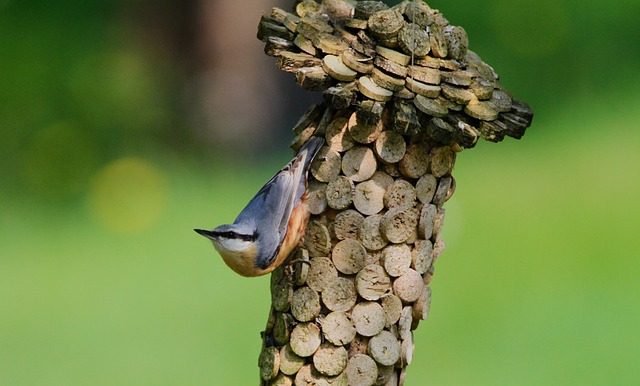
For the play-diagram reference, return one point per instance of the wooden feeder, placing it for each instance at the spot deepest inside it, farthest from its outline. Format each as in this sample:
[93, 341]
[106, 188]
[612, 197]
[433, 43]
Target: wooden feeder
[403, 95]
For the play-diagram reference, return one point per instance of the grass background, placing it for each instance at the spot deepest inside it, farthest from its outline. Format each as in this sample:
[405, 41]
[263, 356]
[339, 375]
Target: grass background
[103, 282]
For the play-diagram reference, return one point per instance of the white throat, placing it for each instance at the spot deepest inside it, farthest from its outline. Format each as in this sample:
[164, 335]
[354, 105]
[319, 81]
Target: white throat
[230, 246]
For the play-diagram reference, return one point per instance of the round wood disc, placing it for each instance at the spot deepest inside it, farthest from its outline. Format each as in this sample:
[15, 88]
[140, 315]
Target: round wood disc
[305, 305]
[321, 273]
[269, 363]
[442, 161]
[290, 362]
[305, 339]
[392, 306]
[369, 197]
[408, 287]
[390, 147]
[317, 239]
[339, 193]
[401, 194]
[337, 136]
[361, 370]
[384, 348]
[415, 162]
[363, 132]
[330, 360]
[359, 163]
[426, 188]
[326, 165]
[347, 224]
[370, 234]
[398, 224]
[422, 256]
[397, 259]
[349, 256]
[369, 318]
[372, 282]
[338, 328]
[316, 197]
[340, 295]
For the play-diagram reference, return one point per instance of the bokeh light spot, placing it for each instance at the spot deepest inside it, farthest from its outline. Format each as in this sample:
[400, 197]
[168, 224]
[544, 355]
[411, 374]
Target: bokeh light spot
[531, 29]
[59, 161]
[129, 195]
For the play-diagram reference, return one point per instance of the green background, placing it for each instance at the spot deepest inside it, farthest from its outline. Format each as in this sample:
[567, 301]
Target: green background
[103, 282]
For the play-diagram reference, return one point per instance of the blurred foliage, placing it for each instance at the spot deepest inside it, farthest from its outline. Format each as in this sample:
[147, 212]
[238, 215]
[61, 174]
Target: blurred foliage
[76, 91]
[102, 281]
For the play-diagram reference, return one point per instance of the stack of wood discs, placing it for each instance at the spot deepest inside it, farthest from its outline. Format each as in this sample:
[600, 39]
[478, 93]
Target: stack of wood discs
[402, 96]
[408, 57]
[345, 307]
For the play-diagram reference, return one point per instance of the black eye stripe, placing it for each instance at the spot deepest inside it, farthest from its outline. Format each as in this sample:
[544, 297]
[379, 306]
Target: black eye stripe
[235, 235]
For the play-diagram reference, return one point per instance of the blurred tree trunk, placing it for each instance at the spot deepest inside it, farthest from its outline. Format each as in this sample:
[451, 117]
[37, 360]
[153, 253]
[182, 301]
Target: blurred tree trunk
[225, 85]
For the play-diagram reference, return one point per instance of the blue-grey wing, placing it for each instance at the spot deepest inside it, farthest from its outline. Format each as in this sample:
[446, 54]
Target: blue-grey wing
[270, 209]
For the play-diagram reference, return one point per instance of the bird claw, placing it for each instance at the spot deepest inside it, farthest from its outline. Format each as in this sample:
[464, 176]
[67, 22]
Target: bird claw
[298, 257]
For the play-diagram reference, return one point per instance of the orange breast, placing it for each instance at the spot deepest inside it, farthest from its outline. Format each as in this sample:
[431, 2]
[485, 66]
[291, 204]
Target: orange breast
[242, 263]
[296, 229]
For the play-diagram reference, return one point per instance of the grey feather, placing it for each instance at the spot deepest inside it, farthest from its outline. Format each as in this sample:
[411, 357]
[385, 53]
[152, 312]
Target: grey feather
[270, 209]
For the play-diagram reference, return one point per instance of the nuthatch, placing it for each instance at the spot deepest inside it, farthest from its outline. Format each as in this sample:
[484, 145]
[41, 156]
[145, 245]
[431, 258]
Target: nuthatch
[273, 222]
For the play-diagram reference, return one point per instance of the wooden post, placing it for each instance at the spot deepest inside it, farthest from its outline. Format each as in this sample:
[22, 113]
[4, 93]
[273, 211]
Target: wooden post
[403, 96]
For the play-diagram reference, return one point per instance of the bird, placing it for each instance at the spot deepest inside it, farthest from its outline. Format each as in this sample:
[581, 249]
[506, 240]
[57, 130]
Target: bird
[272, 224]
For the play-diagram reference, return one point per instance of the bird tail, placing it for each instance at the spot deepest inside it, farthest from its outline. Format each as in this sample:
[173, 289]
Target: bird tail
[305, 156]
[309, 150]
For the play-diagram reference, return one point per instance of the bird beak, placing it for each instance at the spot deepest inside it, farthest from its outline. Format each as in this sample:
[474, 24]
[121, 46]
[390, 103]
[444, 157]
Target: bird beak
[205, 233]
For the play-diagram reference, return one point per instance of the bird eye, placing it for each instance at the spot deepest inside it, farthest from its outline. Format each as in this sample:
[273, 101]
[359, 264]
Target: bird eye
[233, 235]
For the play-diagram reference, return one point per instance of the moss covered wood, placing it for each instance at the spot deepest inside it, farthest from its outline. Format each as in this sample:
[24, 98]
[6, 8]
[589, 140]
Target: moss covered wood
[403, 96]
